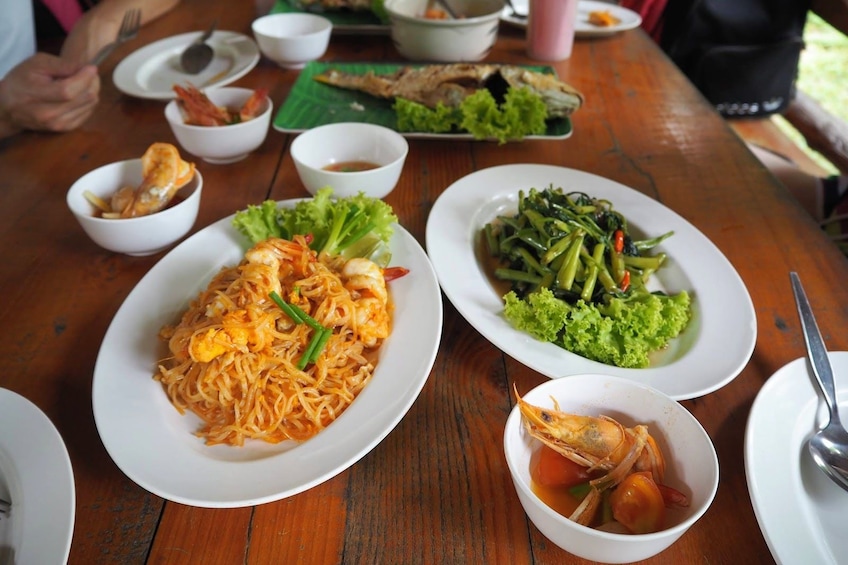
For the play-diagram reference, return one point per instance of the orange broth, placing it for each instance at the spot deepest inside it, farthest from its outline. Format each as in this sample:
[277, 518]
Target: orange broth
[351, 166]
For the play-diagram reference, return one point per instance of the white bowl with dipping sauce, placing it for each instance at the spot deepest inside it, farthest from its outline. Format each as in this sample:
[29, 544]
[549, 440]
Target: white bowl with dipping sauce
[420, 38]
[144, 235]
[350, 157]
[222, 144]
[690, 458]
[291, 40]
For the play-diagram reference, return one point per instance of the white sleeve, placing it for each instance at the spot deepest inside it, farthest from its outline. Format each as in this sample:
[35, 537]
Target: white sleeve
[17, 33]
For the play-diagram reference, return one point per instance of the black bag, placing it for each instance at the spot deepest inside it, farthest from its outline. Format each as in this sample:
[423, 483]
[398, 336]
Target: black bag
[741, 54]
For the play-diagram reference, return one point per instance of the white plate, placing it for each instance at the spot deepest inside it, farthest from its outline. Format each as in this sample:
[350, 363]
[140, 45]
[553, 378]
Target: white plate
[712, 350]
[582, 27]
[801, 512]
[36, 476]
[156, 447]
[152, 71]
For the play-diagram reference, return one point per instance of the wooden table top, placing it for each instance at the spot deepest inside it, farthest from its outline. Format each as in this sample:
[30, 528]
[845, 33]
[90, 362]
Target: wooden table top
[437, 489]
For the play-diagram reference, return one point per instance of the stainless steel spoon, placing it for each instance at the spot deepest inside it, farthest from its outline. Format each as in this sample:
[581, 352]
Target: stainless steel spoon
[515, 13]
[199, 54]
[829, 445]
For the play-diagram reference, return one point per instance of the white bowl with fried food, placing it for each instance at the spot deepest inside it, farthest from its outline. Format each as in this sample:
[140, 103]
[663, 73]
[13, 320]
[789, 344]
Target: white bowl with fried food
[140, 235]
[199, 122]
[292, 39]
[691, 464]
[350, 157]
[421, 31]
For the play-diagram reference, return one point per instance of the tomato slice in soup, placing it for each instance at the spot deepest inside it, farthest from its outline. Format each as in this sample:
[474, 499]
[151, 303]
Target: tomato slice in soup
[551, 469]
[638, 504]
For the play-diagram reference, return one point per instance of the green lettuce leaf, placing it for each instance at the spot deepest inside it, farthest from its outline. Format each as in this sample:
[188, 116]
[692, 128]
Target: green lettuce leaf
[522, 113]
[355, 226]
[622, 332]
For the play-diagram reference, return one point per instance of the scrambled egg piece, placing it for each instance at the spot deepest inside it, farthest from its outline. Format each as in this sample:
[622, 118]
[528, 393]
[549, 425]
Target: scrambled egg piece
[233, 335]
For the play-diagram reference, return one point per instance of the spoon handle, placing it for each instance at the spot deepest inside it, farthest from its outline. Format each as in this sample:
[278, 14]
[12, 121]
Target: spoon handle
[208, 33]
[815, 348]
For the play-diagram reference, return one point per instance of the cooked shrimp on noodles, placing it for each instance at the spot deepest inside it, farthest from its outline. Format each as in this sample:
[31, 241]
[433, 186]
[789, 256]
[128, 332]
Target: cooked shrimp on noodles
[241, 362]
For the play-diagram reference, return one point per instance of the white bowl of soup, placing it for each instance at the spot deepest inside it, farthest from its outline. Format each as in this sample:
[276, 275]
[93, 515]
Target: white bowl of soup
[421, 30]
[350, 158]
[647, 510]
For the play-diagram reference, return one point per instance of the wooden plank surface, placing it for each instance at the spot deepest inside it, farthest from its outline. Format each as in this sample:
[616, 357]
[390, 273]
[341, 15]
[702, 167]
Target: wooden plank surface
[437, 489]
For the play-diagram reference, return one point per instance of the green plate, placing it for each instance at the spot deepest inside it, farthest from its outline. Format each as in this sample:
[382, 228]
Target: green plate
[311, 104]
[344, 21]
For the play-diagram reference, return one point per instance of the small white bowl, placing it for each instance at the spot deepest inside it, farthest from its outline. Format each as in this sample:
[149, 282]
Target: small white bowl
[333, 144]
[292, 40]
[469, 38]
[221, 144]
[691, 462]
[140, 236]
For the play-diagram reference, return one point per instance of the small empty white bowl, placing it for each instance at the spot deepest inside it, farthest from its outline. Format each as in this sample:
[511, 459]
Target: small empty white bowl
[144, 235]
[348, 142]
[469, 38]
[690, 457]
[222, 144]
[292, 40]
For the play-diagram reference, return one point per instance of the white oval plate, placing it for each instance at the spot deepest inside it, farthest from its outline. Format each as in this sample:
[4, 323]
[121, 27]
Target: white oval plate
[156, 447]
[801, 512]
[153, 70]
[37, 478]
[712, 350]
[582, 27]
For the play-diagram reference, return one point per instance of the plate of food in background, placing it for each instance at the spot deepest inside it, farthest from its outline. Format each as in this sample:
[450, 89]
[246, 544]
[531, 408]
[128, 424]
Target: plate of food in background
[158, 400]
[349, 17]
[594, 18]
[152, 71]
[404, 98]
[696, 318]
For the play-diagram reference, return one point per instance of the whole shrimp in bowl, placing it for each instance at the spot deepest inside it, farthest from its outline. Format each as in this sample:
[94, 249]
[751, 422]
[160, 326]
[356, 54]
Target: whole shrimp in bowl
[199, 110]
[163, 173]
[223, 125]
[608, 469]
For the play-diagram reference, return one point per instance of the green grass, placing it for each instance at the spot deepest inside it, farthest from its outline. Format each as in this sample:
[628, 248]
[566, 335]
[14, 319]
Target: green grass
[822, 75]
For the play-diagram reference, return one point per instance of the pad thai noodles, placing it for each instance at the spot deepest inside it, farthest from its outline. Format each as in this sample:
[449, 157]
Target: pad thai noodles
[277, 347]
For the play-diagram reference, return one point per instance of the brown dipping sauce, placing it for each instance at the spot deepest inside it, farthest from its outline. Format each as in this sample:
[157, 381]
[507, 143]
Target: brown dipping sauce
[351, 166]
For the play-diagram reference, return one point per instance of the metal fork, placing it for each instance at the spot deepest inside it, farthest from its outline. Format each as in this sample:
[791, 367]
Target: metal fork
[129, 29]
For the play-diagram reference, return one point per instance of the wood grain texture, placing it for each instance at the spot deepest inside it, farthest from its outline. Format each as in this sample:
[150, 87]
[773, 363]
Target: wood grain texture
[437, 489]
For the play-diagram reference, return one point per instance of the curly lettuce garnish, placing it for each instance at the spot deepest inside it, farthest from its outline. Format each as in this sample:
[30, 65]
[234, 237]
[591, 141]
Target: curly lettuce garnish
[522, 113]
[355, 226]
[622, 332]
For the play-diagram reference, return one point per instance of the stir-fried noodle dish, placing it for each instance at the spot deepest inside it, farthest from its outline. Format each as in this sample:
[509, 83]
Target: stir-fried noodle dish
[277, 347]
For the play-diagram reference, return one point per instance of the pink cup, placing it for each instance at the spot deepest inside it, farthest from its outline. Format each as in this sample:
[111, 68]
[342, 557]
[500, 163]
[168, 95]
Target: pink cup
[550, 29]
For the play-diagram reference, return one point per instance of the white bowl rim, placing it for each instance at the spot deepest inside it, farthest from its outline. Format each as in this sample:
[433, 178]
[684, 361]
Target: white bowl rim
[514, 423]
[172, 106]
[258, 23]
[169, 211]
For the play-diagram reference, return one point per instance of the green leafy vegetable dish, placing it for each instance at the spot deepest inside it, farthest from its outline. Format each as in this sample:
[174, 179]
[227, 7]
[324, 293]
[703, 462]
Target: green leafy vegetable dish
[356, 226]
[578, 279]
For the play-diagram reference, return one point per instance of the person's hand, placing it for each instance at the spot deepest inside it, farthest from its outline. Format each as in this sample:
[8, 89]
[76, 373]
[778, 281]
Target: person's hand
[47, 93]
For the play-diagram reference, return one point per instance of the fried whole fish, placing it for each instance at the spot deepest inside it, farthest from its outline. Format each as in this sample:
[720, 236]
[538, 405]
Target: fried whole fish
[450, 84]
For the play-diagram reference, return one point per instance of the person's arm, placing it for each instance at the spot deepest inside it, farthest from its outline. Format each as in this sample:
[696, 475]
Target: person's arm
[99, 25]
[834, 12]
